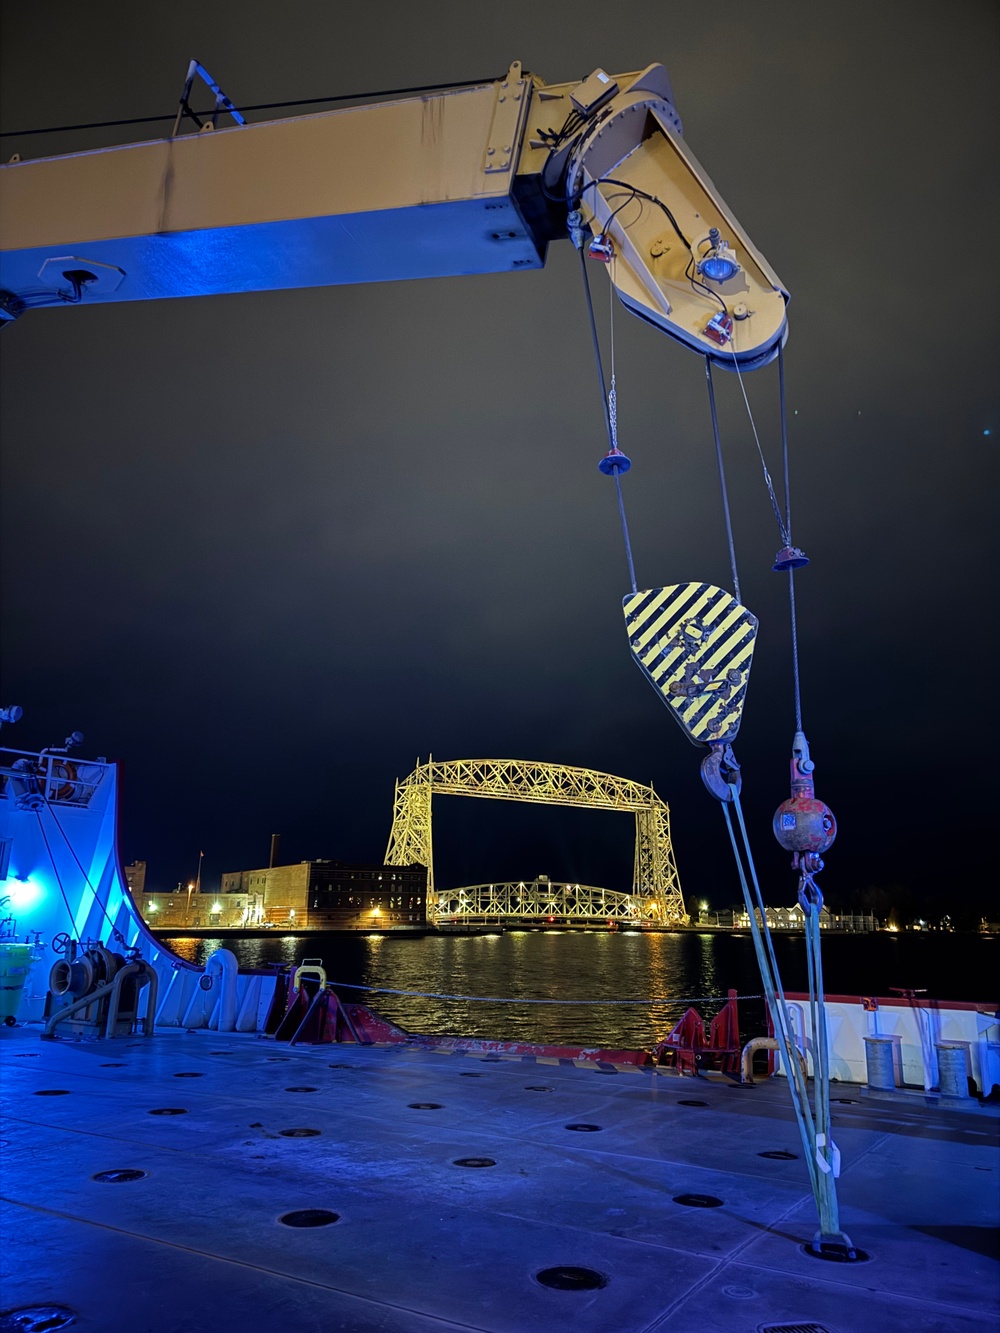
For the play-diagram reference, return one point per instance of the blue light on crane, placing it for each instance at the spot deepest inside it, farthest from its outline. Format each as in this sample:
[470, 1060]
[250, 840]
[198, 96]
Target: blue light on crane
[720, 264]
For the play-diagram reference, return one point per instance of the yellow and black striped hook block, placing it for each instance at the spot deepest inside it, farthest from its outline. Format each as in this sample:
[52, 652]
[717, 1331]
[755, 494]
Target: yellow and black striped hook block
[694, 644]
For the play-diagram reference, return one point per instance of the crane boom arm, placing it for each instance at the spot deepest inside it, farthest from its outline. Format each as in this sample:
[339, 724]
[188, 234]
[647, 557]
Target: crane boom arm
[468, 181]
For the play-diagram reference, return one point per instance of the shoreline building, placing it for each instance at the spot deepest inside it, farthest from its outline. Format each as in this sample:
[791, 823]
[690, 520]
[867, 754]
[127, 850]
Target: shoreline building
[333, 895]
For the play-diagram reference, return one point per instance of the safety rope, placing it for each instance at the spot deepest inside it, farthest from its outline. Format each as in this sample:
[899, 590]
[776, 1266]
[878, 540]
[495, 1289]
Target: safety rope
[506, 999]
[722, 480]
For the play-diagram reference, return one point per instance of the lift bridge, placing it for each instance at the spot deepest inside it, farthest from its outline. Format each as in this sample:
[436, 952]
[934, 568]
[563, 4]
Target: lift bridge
[656, 892]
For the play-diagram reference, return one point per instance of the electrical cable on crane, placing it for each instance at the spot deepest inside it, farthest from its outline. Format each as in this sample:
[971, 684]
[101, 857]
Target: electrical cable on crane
[694, 643]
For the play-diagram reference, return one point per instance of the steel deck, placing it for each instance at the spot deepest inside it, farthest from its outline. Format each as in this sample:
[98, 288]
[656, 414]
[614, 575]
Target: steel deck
[421, 1244]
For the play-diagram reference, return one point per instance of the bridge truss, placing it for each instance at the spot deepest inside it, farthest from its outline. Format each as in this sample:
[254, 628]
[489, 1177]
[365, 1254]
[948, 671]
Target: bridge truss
[542, 900]
[656, 887]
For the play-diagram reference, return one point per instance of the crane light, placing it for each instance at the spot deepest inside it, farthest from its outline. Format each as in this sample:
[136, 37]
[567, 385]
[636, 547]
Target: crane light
[720, 263]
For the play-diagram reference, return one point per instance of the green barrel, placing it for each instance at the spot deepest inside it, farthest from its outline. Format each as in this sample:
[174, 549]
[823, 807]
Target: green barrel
[15, 964]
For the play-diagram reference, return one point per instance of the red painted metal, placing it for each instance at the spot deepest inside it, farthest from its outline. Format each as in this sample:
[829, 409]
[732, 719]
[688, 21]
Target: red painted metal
[681, 1046]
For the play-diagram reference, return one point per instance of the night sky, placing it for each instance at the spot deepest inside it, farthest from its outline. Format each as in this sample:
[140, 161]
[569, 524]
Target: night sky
[267, 549]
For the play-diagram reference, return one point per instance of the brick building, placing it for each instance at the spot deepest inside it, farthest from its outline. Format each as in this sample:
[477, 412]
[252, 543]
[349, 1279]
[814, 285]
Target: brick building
[334, 895]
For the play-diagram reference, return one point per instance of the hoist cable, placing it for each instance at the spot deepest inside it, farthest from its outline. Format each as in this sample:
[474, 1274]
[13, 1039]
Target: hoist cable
[610, 425]
[782, 402]
[613, 419]
[597, 350]
[722, 480]
[55, 871]
[785, 538]
[259, 106]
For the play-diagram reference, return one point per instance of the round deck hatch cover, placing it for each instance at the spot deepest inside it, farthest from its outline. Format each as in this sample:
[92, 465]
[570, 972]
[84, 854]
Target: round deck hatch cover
[424, 1106]
[309, 1217]
[584, 1129]
[474, 1161]
[169, 1110]
[37, 1319]
[299, 1133]
[568, 1278]
[118, 1177]
[698, 1200]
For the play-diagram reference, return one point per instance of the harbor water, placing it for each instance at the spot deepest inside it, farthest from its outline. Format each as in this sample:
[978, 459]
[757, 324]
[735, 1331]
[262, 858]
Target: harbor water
[660, 974]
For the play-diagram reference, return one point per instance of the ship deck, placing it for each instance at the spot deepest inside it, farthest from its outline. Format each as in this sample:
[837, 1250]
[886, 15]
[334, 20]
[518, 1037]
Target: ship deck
[421, 1244]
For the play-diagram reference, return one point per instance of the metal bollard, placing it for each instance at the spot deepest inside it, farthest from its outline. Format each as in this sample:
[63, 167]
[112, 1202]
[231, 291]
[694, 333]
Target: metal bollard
[952, 1075]
[880, 1059]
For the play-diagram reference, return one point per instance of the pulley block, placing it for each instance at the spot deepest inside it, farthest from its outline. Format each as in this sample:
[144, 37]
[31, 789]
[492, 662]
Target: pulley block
[694, 644]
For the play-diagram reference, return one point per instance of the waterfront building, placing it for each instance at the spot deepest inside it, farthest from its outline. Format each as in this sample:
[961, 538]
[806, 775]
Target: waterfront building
[135, 878]
[333, 895]
[793, 918]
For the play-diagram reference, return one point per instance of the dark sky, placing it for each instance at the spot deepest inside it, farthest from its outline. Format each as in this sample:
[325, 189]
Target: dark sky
[266, 549]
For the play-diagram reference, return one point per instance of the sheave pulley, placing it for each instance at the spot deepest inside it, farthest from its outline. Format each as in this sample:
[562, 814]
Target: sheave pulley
[694, 643]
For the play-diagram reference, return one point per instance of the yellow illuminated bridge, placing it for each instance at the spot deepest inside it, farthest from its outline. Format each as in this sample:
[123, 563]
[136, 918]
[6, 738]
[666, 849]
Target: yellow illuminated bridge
[656, 891]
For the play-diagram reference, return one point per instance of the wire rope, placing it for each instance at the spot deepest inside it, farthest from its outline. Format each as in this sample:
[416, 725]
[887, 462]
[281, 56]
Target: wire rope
[785, 538]
[783, 408]
[259, 106]
[722, 479]
[610, 424]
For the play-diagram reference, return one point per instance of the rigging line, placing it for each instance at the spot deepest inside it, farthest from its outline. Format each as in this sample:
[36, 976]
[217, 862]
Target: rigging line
[785, 538]
[62, 891]
[259, 106]
[597, 348]
[97, 898]
[722, 480]
[611, 425]
[783, 408]
[613, 417]
[800, 1102]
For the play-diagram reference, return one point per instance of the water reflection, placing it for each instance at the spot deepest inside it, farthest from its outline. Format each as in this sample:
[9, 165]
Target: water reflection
[665, 972]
